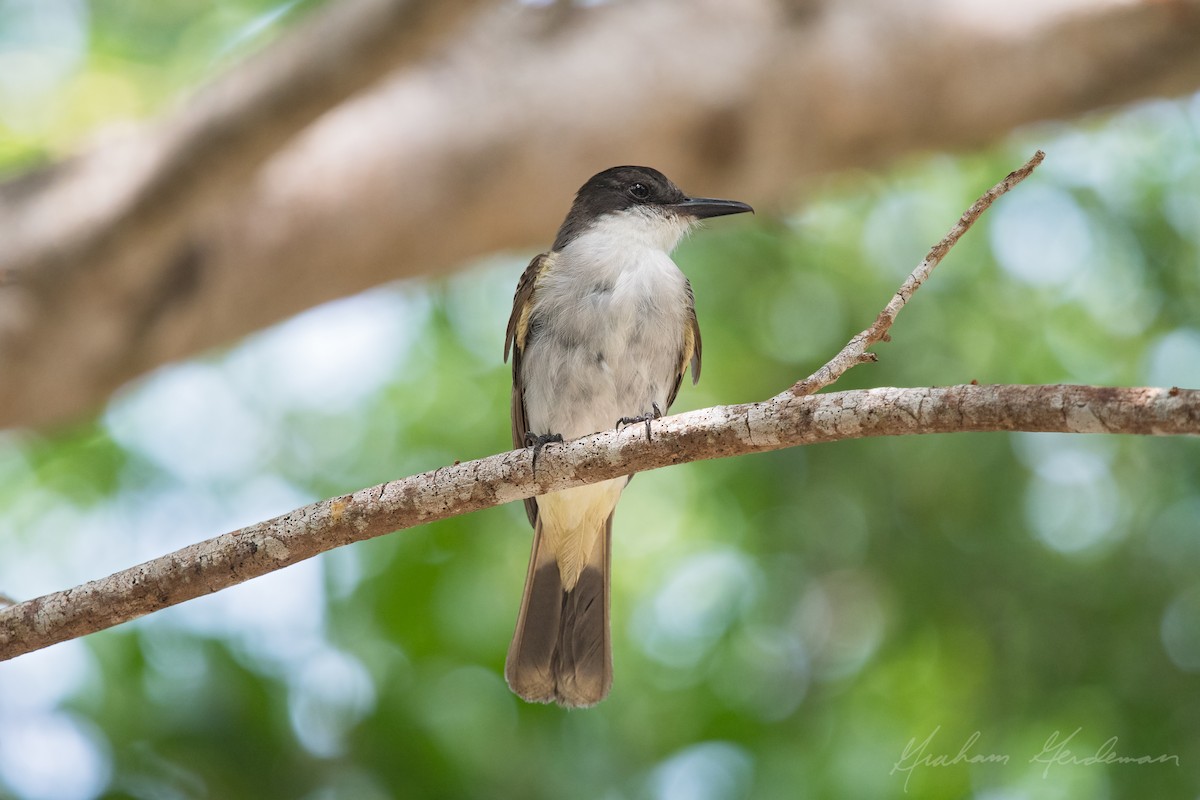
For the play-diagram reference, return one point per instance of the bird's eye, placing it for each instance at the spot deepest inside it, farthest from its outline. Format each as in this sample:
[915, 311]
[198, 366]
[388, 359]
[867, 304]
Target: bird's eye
[639, 191]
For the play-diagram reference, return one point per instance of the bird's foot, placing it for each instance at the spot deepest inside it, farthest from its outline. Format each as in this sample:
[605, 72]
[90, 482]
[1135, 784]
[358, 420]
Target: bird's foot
[538, 441]
[646, 418]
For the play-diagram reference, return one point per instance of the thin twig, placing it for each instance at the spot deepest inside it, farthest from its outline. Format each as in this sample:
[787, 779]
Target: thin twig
[855, 351]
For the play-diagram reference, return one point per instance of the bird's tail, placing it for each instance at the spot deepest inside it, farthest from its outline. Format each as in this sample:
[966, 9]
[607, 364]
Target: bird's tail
[562, 650]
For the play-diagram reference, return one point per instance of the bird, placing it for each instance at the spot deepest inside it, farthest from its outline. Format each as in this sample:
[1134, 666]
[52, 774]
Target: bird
[603, 329]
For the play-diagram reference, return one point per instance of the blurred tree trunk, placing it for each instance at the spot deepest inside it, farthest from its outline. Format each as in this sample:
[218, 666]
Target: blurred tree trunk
[276, 189]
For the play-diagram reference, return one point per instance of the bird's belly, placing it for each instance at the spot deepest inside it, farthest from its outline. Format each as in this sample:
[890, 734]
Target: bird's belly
[572, 519]
[584, 371]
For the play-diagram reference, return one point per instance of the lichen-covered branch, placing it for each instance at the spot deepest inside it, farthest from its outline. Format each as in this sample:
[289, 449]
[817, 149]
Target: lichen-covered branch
[720, 432]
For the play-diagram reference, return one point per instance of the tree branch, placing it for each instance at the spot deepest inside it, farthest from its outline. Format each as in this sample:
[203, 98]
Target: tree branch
[719, 432]
[176, 167]
[425, 171]
[786, 420]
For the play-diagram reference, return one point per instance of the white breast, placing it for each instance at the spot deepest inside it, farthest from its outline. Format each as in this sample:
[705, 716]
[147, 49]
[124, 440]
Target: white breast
[607, 326]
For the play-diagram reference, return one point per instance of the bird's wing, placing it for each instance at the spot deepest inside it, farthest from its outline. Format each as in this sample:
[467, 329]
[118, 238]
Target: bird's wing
[691, 347]
[514, 340]
[518, 321]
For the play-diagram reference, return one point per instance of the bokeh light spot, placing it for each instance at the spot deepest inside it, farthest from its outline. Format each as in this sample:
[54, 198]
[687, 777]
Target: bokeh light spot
[1040, 235]
[1174, 360]
[706, 771]
[1180, 630]
[53, 756]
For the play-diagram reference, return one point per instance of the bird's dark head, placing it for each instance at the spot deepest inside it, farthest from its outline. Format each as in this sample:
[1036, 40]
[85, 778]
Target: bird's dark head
[644, 195]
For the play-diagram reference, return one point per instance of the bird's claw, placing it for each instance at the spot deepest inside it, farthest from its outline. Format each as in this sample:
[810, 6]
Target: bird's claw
[538, 441]
[656, 413]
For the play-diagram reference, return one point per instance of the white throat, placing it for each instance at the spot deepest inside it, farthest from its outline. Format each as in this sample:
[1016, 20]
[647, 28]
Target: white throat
[635, 228]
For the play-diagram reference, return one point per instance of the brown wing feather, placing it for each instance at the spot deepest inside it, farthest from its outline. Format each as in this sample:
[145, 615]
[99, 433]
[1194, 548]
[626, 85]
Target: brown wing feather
[691, 348]
[514, 340]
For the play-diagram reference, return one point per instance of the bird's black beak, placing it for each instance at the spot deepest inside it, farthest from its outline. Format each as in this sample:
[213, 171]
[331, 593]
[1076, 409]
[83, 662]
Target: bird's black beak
[705, 207]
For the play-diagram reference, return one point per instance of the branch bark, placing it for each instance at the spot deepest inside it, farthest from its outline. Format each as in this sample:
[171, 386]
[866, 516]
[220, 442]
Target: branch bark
[782, 421]
[480, 147]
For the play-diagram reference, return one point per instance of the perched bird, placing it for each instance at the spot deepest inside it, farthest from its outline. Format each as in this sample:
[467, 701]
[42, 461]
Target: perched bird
[603, 328]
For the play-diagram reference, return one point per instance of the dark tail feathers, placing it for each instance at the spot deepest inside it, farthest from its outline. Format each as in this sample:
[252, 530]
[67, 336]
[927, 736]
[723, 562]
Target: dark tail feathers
[562, 650]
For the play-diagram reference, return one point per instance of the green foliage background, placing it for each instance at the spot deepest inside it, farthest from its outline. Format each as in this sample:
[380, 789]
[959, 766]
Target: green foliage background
[786, 625]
